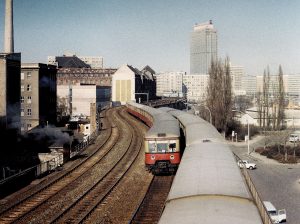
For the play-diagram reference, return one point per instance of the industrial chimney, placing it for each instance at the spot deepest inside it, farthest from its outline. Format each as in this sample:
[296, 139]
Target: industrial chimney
[10, 76]
[9, 28]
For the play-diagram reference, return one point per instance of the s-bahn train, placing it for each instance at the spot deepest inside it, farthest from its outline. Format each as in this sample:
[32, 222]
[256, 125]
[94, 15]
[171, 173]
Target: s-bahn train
[162, 141]
[208, 186]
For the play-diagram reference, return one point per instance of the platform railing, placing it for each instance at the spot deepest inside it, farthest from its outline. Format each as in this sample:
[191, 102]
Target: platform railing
[256, 198]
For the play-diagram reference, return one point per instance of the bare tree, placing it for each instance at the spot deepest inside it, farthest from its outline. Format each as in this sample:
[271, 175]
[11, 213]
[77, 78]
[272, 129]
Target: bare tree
[280, 112]
[227, 94]
[259, 107]
[219, 97]
[266, 82]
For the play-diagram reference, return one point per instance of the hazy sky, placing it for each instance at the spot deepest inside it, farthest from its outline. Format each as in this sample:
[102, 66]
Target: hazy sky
[253, 33]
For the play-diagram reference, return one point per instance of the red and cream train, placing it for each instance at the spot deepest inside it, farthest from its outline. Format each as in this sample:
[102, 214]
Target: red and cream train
[162, 141]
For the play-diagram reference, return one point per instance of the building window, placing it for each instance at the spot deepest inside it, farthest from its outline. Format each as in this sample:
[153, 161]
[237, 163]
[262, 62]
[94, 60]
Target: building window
[22, 99]
[22, 76]
[29, 127]
[28, 75]
[28, 87]
[22, 88]
[28, 112]
[22, 112]
[29, 99]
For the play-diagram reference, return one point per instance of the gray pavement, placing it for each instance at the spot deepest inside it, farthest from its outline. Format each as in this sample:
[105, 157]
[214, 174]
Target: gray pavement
[274, 181]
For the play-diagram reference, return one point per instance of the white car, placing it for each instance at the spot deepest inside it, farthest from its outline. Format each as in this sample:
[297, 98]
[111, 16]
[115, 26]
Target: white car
[276, 216]
[246, 164]
[293, 138]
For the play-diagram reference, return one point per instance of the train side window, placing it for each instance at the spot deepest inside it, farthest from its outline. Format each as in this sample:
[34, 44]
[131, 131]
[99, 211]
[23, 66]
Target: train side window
[151, 147]
[162, 147]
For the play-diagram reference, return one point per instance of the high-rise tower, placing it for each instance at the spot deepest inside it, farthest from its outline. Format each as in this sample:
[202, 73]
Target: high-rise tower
[204, 48]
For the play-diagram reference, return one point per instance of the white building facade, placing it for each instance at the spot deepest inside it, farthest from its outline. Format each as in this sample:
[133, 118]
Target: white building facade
[170, 84]
[195, 87]
[292, 84]
[237, 73]
[249, 85]
[131, 84]
[291, 120]
[123, 85]
[93, 61]
[78, 97]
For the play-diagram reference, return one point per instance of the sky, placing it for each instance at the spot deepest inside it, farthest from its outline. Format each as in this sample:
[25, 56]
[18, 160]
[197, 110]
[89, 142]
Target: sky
[252, 33]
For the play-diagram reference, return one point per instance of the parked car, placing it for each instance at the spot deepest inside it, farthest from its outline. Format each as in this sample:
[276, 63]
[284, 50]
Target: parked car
[276, 216]
[294, 138]
[246, 164]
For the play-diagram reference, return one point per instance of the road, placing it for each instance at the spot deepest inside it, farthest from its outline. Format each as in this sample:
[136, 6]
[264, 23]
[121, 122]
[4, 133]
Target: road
[275, 182]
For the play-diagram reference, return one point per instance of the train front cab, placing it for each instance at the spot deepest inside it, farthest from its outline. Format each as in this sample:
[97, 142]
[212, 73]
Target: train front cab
[162, 155]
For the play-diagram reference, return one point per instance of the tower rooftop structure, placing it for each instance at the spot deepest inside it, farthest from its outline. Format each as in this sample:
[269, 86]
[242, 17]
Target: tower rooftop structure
[204, 26]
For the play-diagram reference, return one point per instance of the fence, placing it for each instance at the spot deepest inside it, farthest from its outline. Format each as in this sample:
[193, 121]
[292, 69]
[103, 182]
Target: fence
[82, 145]
[36, 170]
[260, 205]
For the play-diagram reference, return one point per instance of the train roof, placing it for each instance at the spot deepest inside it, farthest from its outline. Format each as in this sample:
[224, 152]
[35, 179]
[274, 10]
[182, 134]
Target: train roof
[196, 129]
[208, 168]
[164, 124]
[209, 188]
[165, 129]
[197, 133]
[210, 210]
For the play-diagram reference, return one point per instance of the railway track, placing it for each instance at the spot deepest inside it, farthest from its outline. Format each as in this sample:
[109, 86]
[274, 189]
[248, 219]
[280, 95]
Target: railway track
[152, 205]
[44, 191]
[122, 201]
[23, 195]
[85, 205]
[76, 189]
[84, 195]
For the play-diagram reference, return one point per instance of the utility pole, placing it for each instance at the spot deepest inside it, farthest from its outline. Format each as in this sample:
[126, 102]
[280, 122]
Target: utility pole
[248, 137]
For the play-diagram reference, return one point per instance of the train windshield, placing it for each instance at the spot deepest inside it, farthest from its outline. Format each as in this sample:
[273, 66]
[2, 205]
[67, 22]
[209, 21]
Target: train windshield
[161, 147]
[152, 146]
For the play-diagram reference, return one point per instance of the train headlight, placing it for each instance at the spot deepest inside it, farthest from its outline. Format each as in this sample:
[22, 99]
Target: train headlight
[171, 156]
[152, 157]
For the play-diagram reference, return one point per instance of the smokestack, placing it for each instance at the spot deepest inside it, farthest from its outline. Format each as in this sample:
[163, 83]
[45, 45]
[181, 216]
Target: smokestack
[9, 30]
